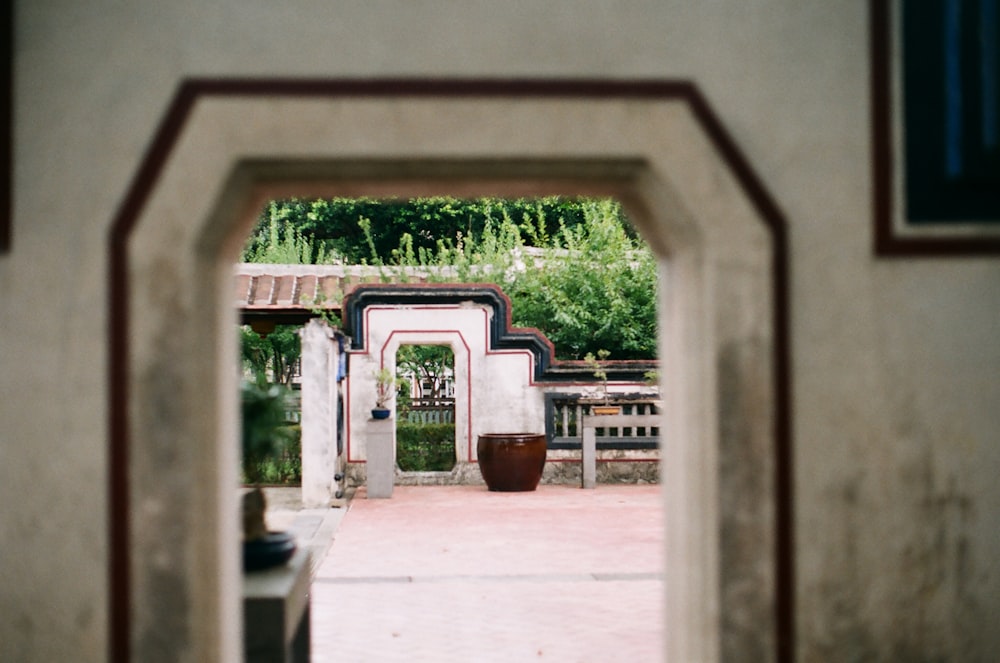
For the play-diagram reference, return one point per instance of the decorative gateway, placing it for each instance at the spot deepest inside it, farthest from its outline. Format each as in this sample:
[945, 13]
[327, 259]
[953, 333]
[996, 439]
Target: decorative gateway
[504, 379]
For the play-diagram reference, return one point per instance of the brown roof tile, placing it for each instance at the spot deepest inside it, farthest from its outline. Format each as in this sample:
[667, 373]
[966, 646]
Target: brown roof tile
[264, 287]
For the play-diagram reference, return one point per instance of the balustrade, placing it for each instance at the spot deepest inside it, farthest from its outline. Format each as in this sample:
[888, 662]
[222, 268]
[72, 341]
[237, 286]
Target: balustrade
[564, 421]
[429, 411]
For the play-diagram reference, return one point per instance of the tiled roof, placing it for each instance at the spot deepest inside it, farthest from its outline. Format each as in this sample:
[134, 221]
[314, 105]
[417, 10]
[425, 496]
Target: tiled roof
[262, 288]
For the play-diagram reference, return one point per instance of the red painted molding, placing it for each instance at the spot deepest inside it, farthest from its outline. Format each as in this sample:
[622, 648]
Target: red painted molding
[191, 91]
[888, 242]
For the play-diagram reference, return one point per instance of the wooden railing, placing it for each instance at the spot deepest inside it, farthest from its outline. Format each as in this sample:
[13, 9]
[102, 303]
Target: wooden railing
[564, 422]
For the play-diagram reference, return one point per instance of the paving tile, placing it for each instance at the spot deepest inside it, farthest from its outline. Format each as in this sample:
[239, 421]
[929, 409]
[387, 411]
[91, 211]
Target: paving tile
[458, 573]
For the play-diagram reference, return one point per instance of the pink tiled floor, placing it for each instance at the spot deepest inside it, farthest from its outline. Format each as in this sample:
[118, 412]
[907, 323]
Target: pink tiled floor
[459, 573]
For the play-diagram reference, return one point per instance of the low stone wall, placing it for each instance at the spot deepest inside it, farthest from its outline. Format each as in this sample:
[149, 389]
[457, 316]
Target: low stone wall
[558, 472]
[621, 472]
[461, 475]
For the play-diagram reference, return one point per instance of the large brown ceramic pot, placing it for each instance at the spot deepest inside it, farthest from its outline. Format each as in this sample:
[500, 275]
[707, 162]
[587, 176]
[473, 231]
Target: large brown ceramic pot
[511, 462]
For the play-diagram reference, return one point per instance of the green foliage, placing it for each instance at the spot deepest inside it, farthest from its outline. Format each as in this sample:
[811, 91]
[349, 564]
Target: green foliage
[386, 385]
[279, 240]
[428, 363]
[282, 467]
[597, 292]
[267, 436]
[333, 224]
[589, 287]
[273, 358]
[594, 363]
[425, 447]
[573, 268]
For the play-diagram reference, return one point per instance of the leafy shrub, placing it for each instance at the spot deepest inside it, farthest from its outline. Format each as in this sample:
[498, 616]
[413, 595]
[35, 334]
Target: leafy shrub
[425, 447]
[595, 291]
[271, 446]
[282, 467]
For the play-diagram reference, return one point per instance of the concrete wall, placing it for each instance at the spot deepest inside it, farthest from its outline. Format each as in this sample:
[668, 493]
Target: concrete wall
[894, 362]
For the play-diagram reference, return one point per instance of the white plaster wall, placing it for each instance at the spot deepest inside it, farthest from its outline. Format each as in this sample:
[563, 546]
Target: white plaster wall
[507, 378]
[483, 378]
[894, 362]
[319, 397]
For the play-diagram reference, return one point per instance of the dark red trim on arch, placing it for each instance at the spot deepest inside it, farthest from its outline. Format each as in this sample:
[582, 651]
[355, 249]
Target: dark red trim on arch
[192, 90]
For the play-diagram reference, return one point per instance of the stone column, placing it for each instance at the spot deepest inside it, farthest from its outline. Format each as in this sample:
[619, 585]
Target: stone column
[380, 449]
[319, 411]
[588, 454]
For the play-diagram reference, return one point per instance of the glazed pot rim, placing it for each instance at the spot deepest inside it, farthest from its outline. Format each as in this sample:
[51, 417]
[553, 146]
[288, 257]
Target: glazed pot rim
[498, 435]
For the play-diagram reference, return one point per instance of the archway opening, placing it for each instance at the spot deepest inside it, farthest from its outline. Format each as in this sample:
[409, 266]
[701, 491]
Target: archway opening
[425, 423]
[574, 269]
[270, 370]
[697, 201]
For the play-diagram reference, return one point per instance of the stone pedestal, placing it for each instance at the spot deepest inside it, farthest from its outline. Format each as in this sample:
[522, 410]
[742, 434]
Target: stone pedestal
[589, 456]
[276, 613]
[380, 447]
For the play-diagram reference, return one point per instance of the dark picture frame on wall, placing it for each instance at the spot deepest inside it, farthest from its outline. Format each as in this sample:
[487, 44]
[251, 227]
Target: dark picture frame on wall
[936, 127]
[6, 124]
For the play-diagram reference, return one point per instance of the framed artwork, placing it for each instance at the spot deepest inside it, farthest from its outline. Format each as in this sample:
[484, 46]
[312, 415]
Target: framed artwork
[936, 126]
[6, 123]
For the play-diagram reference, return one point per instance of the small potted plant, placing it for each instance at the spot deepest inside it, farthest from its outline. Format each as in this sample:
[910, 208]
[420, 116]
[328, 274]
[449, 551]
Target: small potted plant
[385, 390]
[598, 368]
[652, 379]
[265, 431]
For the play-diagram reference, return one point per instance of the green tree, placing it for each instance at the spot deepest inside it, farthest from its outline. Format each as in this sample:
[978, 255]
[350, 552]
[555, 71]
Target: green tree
[596, 289]
[332, 224]
[573, 268]
[279, 239]
[588, 287]
[428, 364]
[273, 358]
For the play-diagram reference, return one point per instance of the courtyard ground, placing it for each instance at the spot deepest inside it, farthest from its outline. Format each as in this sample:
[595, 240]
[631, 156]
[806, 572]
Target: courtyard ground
[459, 573]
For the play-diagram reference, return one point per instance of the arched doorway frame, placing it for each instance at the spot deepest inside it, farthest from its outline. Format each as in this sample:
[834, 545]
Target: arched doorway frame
[462, 361]
[191, 399]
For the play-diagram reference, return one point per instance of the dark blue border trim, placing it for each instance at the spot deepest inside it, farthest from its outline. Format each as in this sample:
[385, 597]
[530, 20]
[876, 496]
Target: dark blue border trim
[501, 335]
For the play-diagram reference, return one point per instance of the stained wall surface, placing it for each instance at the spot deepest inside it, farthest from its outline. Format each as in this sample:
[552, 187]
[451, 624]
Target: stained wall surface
[896, 433]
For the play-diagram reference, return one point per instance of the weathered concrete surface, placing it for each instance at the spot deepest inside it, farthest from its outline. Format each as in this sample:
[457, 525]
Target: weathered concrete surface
[381, 465]
[747, 479]
[319, 362]
[893, 363]
[567, 473]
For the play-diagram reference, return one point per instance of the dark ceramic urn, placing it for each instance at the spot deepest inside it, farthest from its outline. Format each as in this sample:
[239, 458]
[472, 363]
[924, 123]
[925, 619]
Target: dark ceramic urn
[511, 462]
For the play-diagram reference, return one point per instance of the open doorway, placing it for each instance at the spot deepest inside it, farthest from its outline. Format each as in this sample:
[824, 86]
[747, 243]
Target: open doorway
[270, 370]
[722, 322]
[425, 412]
